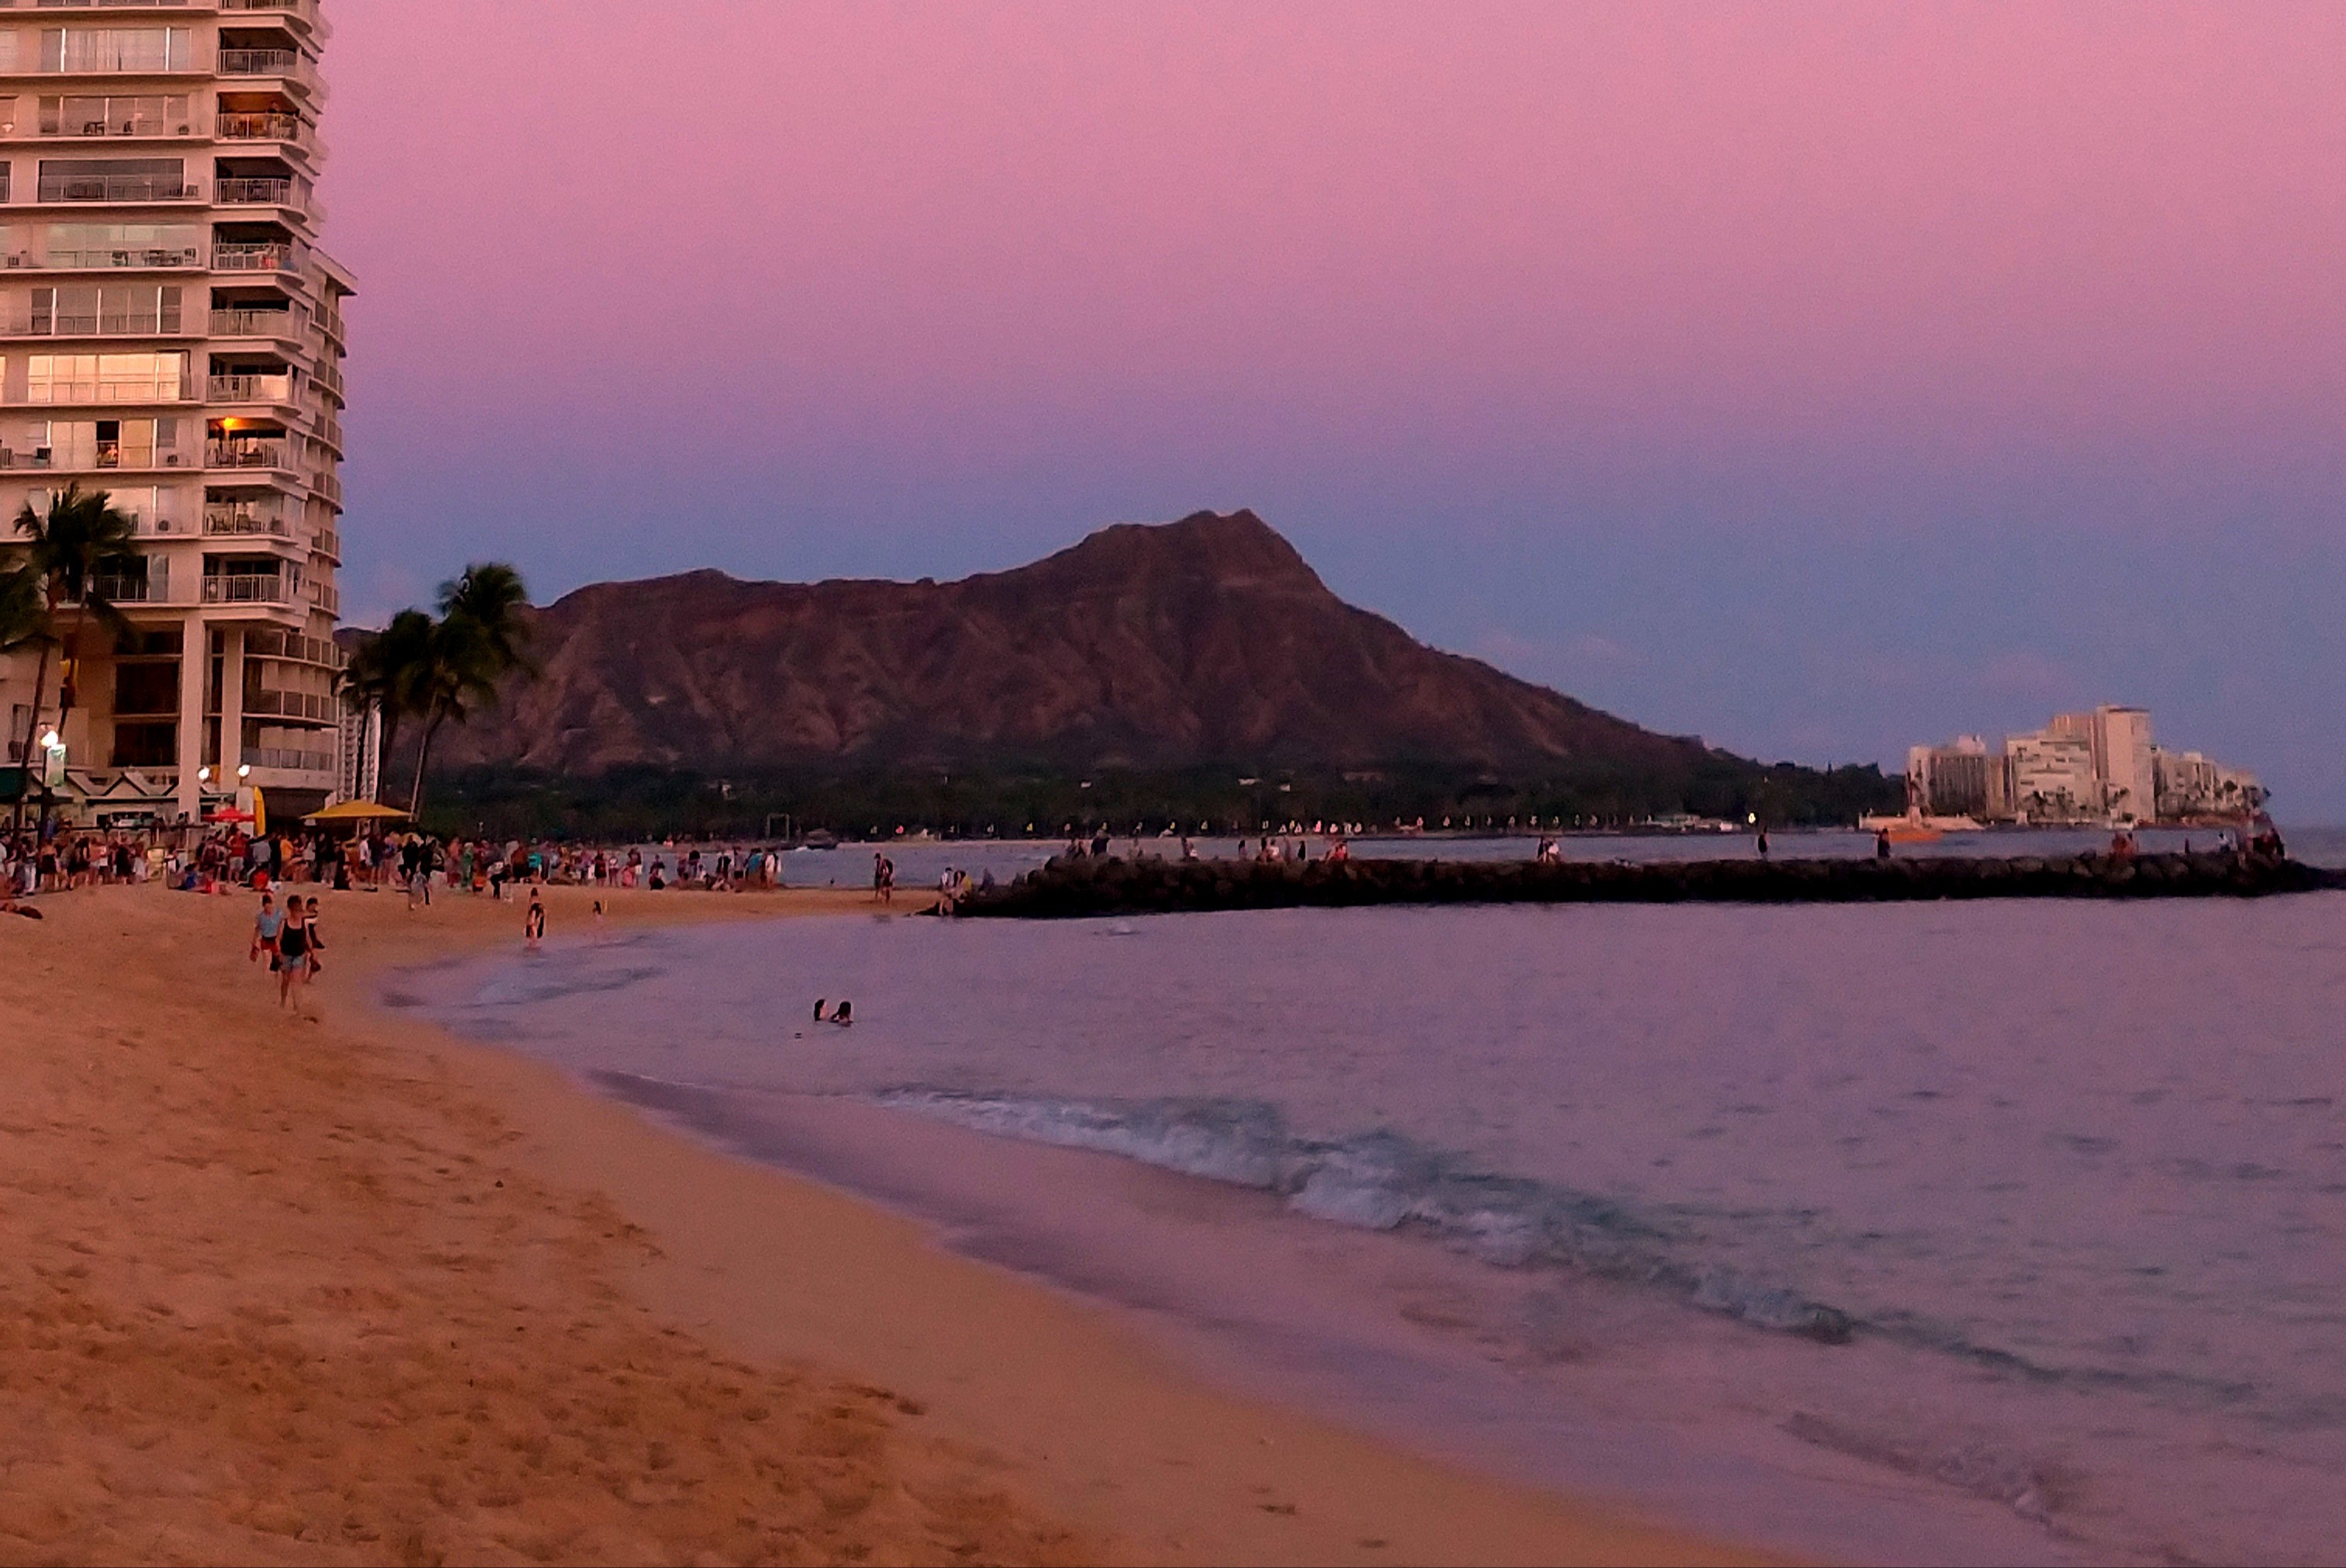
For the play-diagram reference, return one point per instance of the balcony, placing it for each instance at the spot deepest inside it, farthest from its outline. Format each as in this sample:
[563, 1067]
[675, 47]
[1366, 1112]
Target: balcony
[302, 11]
[248, 590]
[284, 326]
[116, 257]
[246, 521]
[292, 647]
[151, 116]
[151, 587]
[280, 759]
[327, 485]
[287, 65]
[263, 191]
[118, 190]
[249, 389]
[258, 126]
[94, 324]
[107, 456]
[262, 703]
[326, 542]
[259, 62]
[244, 454]
[274, 255]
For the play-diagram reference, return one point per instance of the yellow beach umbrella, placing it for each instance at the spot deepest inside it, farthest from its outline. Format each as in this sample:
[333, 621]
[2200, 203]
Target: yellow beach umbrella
[358, 811]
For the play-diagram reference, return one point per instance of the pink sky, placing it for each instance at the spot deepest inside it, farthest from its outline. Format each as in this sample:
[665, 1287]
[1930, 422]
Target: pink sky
[913, 289]
[2087, 221]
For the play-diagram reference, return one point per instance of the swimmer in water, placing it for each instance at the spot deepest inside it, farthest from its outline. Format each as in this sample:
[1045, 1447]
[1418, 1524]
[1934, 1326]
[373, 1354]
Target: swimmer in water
[845, 1015]
[819, 1015]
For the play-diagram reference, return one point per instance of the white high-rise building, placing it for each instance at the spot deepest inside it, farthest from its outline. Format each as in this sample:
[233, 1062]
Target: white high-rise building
[171, 335]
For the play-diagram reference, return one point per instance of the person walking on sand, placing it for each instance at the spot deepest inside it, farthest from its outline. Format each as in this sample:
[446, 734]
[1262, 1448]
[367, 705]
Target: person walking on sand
[314, 937]
[265, 927]
[533, 924]
[292, 962]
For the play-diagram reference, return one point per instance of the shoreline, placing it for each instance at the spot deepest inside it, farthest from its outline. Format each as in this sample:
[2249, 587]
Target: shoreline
[938, 1406]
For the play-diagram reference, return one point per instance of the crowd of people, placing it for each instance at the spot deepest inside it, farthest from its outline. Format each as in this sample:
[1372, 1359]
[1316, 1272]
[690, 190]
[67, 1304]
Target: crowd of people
[228, 857]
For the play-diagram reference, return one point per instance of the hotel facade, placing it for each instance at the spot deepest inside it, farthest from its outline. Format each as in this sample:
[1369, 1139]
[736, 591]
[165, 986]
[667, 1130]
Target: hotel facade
[2101, 765]
[171, 335]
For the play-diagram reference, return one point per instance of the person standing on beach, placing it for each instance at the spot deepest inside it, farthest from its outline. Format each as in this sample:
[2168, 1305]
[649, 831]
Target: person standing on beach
[314, 938]
[533, 924]
[265, 927]
[292, 961]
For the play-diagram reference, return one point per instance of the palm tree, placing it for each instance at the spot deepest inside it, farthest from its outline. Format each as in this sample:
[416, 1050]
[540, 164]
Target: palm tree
[482, 637]
[24, 621]
[384, 671]
[73, 550]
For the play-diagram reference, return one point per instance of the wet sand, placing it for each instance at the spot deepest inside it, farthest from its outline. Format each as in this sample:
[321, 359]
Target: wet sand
[343, 1289]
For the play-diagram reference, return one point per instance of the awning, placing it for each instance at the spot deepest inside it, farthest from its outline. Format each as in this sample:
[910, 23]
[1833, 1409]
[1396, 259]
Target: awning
[358, 811]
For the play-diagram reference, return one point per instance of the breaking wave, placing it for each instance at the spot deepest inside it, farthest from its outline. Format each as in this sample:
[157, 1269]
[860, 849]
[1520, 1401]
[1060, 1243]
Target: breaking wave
[1381, 1180]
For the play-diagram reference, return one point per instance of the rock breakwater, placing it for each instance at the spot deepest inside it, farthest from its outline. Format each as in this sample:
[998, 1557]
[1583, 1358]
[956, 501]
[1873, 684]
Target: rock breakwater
[1073, 887]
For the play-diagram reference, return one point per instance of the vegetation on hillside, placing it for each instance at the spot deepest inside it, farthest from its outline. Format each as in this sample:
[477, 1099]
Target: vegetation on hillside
[876, 802]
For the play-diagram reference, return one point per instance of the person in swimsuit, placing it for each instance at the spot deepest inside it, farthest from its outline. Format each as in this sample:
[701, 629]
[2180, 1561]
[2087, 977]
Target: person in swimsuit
[317, 938]
[292, 962]
[533, 924]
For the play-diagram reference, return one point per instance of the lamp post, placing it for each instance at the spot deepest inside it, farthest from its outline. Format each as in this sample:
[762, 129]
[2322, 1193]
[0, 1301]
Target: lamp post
[52, 775]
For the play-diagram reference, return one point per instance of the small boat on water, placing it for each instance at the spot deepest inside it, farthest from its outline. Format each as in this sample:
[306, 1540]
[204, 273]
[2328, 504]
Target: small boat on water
[1914, 828]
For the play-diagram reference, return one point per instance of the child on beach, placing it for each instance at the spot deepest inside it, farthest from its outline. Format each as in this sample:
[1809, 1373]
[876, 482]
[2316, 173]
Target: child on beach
[265, 927]
[533, 925]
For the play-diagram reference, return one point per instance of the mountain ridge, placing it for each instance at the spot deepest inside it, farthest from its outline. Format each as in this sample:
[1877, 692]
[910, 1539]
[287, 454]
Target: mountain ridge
[1145, 645]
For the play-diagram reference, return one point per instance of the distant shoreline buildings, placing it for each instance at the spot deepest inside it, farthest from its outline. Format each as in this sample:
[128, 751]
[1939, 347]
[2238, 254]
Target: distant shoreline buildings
[2097, 766]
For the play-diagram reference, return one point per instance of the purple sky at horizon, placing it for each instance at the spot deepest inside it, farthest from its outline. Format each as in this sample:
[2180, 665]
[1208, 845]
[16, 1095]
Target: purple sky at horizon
[1816, 378]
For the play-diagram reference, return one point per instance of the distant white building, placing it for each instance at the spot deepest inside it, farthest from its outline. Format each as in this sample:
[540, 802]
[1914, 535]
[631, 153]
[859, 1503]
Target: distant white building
[2191, 785]
[2096, 766]
[2051, 777]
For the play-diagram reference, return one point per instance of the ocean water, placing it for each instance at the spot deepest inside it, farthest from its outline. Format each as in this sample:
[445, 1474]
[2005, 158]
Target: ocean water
[2009, 1231]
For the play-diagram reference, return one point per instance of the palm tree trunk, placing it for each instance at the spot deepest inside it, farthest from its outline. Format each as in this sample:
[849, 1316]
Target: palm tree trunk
[32, 731]
[69, 644]
[422, 758]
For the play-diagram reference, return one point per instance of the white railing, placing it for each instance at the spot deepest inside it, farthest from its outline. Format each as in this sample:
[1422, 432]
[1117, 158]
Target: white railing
[261, 125]
[245, 455]
[264, 191]
[118, 189]
[249, 389]
[248, 590]
[234, 521]
[46, 323]
[275, 256]
[259, 62]
[235, 323]
[126, 588]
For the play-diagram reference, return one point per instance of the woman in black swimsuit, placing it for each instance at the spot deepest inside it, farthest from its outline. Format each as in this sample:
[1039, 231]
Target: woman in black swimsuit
[292, 957]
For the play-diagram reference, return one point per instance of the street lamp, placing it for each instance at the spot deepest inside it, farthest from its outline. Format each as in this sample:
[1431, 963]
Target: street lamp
[245, 771]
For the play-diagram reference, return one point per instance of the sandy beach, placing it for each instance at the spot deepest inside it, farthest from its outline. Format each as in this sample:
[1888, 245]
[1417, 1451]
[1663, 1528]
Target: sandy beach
[344, 1288]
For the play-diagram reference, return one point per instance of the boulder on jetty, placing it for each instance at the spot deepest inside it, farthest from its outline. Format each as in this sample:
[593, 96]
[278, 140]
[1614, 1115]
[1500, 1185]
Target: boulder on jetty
[1072, 887]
